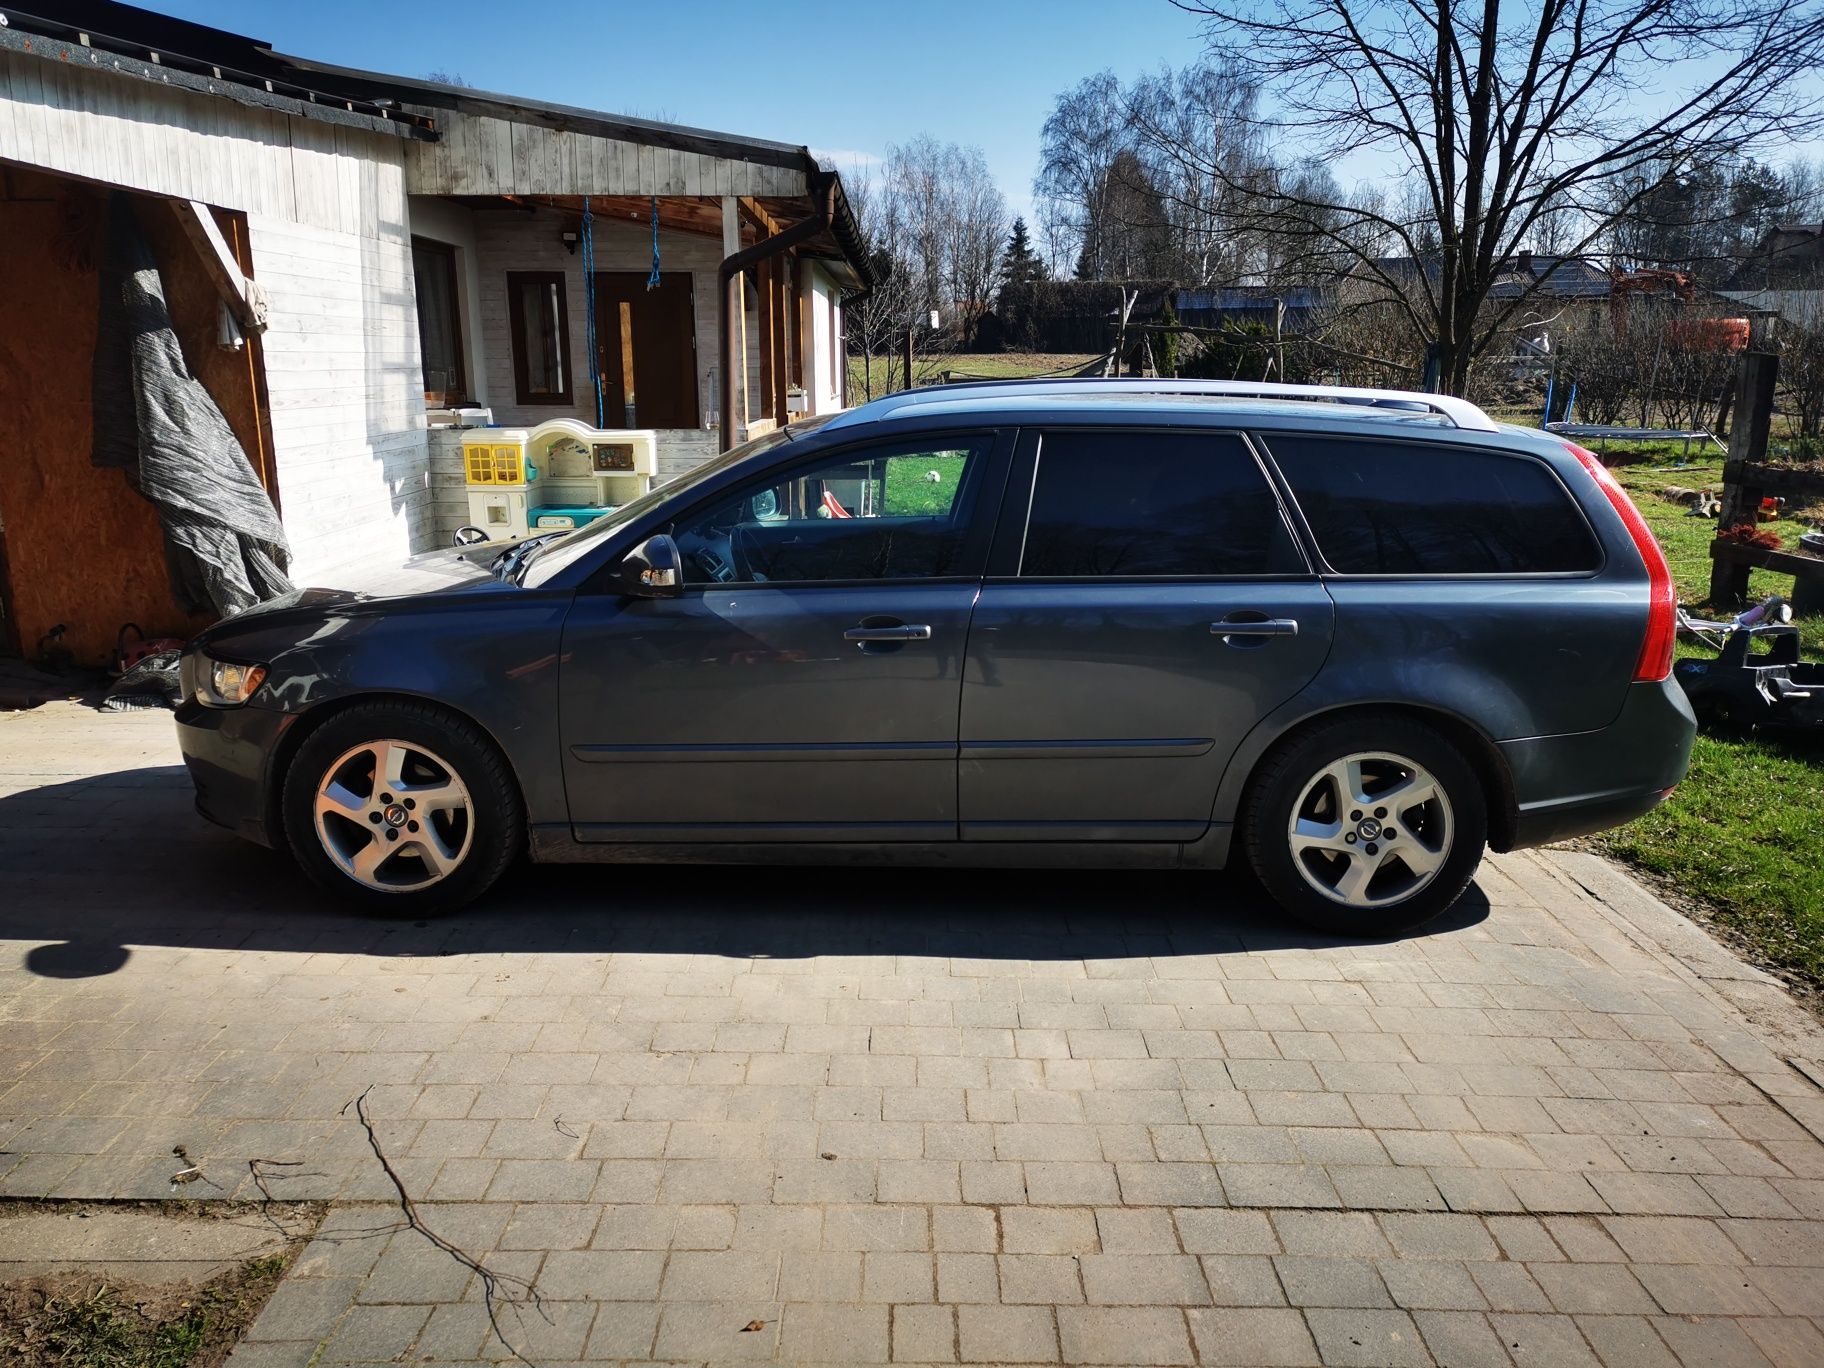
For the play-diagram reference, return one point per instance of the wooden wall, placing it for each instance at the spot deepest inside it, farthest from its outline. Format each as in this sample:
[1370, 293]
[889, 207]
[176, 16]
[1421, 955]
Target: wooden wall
[118, 129]
[512, 240]
[481, 155]
[83, 549]
[330, 242]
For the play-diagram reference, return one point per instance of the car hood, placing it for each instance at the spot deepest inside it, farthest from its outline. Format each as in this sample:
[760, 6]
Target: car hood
[447, 571]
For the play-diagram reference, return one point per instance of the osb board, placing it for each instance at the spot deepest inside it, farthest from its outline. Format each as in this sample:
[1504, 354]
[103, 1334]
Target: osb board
[82, 548]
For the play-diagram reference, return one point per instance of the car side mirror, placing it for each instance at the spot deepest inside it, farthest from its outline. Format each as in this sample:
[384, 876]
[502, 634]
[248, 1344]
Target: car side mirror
[653, 569]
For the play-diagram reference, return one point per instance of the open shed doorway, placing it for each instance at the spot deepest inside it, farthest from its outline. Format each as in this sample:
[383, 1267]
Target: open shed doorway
[646, 349]
[82, 554]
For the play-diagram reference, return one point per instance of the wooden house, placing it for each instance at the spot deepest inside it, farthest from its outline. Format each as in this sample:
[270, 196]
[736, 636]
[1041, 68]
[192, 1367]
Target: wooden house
[352, 257]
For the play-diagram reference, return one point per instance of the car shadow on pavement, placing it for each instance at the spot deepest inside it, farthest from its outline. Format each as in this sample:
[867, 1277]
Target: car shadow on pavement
[97, 866]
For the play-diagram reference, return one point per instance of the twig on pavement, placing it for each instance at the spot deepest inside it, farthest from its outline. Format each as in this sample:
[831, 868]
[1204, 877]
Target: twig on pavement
[491, 1282]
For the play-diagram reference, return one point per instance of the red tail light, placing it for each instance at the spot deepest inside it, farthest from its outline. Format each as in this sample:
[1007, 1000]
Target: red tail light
[1655, 661]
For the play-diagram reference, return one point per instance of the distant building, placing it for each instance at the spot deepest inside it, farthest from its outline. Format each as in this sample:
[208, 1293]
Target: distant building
[1789, 257]
[1247, 304]
[1785, 274]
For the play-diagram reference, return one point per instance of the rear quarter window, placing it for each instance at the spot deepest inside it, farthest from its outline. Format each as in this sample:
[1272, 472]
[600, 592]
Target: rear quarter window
[1392, 508]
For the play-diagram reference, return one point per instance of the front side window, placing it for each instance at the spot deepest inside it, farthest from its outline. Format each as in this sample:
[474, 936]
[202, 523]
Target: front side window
[1121, 505]
[1421, 508]
[541, 336]
[885, 513]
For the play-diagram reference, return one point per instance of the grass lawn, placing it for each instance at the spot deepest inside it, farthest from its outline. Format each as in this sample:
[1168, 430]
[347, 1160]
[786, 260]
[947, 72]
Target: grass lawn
[910, 490]
[929, 370]
[1745, 832]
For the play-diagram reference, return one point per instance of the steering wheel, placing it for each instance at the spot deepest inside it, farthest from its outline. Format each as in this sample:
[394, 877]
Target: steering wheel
[469, 535]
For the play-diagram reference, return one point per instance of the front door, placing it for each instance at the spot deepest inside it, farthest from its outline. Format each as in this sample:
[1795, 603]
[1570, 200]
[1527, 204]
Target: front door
[1146, 606]
[804, 687]
[645, 341]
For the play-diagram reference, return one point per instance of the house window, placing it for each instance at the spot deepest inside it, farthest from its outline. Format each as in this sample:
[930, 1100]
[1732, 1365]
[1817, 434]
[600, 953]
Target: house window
[439, 323]
[541, 336]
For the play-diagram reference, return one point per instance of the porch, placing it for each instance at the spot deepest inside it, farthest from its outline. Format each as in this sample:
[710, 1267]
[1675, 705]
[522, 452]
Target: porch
[624, 274]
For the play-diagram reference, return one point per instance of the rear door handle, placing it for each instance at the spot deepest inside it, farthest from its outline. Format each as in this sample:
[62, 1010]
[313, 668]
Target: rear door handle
[1256, 627]
[904, 631]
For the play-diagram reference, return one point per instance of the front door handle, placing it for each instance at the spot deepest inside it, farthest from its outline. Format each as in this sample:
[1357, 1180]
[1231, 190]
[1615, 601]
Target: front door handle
[1255, 627]
[899, 631]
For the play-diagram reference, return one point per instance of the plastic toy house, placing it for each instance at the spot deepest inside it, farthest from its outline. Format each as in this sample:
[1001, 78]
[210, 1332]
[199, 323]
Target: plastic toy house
[558, 475]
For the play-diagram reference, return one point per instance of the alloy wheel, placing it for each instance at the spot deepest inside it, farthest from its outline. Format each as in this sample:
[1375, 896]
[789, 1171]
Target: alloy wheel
[1370, 829]
[394, 816]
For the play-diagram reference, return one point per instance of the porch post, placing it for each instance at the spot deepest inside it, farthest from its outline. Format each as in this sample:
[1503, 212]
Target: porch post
[782, 334]
[732, 353]
[767, 318]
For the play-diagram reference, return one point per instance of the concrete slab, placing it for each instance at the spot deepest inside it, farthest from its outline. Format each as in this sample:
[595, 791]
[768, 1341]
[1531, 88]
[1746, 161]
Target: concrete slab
[142, 1244]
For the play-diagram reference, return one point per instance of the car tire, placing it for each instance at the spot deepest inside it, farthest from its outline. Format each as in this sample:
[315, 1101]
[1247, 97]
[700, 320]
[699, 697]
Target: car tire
[1324, 856]
[434, 836]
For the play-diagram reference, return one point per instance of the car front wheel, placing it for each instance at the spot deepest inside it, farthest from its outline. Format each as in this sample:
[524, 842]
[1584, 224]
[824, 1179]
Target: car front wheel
[401, 809]
[1366, 826]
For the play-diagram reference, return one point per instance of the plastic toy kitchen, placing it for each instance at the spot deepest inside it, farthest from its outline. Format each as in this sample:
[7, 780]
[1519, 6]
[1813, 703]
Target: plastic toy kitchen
[558, 475]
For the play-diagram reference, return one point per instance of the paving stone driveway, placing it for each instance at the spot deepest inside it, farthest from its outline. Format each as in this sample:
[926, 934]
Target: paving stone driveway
[861, 1116]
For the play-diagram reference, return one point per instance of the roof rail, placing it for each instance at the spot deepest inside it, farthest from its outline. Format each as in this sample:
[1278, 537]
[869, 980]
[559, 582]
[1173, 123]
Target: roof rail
[1460, 412]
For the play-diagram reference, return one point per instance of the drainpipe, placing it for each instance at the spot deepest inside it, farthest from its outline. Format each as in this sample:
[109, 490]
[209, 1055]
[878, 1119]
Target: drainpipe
[823, 192]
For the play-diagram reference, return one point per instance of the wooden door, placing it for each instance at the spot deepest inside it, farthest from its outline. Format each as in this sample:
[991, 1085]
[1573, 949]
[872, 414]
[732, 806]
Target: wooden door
[646, 349]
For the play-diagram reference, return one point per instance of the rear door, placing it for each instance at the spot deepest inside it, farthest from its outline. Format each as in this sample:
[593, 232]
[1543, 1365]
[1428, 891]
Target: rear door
[1147, 603]
[1465, 577]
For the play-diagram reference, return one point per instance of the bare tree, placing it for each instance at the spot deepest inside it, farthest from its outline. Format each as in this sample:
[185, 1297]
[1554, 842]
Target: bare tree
[1802, 378]
[876, 323]
[974, 232]
[1211, 110]
[1087, 129]
[1504, 114]
[937, 225]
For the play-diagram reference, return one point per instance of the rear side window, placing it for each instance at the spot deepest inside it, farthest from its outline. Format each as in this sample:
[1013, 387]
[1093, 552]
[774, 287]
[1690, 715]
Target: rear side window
[1147, 504]
[1386, 508]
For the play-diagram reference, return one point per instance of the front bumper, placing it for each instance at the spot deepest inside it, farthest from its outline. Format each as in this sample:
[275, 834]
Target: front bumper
[229, 753]
[1567, 786]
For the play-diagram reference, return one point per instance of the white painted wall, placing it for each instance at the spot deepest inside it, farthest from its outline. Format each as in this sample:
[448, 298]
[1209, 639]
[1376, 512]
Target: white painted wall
[822, 373]
[346, 393]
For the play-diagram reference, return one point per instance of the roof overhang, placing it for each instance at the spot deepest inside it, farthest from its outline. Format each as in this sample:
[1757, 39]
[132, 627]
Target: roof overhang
[660, 159]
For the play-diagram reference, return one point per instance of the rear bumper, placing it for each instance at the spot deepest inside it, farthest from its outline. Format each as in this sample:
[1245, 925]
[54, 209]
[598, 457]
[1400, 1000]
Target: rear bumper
[1567, 786]
[228, 752]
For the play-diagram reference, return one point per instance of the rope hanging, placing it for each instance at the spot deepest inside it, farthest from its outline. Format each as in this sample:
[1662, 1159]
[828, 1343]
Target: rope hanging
[652, 281]
[595, 370]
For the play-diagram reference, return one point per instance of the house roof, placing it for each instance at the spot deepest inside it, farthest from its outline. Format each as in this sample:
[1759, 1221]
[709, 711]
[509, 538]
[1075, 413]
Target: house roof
[1790, 256]
[1237, 298]
[216, 62]
[1555, 276]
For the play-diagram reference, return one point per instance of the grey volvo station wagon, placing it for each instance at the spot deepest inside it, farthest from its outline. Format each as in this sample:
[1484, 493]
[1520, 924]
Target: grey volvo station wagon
[1351, 637]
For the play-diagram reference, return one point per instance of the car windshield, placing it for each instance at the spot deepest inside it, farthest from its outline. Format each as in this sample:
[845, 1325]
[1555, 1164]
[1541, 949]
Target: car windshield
[546, 560]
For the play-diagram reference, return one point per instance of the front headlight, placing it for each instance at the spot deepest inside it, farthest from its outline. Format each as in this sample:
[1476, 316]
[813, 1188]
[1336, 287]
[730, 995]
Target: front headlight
[226, 683]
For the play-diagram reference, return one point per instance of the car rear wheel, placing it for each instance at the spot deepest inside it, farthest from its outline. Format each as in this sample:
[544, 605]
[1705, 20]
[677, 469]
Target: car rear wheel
[1366, 825]
[401, 809]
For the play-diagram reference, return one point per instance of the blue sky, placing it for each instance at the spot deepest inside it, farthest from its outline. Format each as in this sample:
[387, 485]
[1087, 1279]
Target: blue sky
[845, 78]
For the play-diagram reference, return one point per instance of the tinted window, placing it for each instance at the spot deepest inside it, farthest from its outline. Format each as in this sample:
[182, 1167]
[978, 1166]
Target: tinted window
[1126, 504]
[1384, 508]
[898, 513]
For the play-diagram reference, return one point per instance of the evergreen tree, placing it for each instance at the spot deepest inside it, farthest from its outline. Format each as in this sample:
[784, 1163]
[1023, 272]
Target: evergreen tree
[1020, 265]
[1167, 356]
